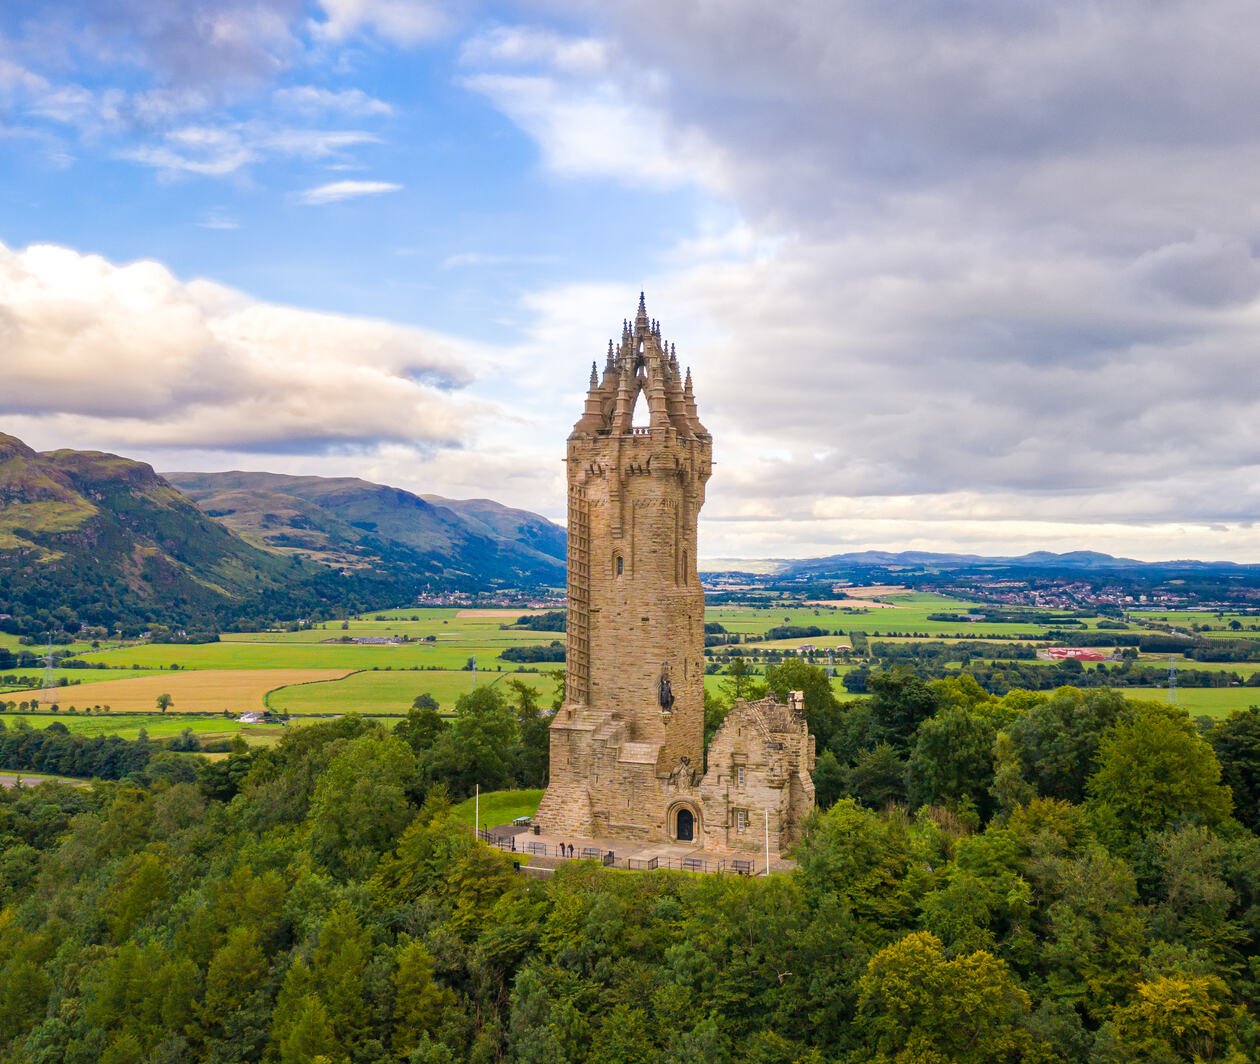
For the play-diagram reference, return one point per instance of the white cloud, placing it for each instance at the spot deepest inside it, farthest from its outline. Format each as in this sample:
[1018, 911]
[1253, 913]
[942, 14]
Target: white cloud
[218, 218]
[132, 355]
[405, 22]
[220, 151]
[312, 99]
[482, 258]
[336, 191]
[569, 95]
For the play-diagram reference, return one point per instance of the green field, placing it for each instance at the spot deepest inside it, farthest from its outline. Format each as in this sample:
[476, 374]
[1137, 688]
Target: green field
[386, 678]
[455, 644]
[74, 677]
[500, 807]
[156, 726]
[393, 692]
[908, 612]
[1201, 701]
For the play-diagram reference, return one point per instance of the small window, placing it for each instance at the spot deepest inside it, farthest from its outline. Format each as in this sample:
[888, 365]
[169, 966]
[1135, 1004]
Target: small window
[739, 776]
[620, 564]
[741, 819]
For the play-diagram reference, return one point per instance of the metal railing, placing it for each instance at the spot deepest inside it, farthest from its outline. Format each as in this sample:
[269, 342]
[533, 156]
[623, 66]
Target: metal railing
[529, 847]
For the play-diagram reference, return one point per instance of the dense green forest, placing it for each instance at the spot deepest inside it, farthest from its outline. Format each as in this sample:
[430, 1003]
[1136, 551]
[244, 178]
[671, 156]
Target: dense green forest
[1046, 876]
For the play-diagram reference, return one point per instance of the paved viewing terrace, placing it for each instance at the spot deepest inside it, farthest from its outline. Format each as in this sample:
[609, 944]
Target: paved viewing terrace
[546, 852]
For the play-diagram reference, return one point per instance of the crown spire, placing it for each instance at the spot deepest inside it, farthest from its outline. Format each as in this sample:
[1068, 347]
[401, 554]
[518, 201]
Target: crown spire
[641, 319]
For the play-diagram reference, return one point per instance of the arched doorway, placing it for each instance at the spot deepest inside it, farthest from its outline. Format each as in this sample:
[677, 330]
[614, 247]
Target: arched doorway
[686, 825]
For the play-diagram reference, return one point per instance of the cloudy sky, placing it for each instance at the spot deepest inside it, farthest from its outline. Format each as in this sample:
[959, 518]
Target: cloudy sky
[951, 274]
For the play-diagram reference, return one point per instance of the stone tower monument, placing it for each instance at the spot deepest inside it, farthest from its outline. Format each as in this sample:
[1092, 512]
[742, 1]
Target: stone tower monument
[627, 747]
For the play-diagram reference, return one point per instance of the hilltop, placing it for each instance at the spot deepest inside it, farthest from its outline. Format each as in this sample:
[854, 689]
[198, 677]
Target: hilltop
[93, 538]
[104, 539]
[356, 525]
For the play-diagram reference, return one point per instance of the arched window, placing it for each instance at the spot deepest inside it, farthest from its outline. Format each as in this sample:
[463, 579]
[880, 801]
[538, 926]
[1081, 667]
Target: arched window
[619, 564]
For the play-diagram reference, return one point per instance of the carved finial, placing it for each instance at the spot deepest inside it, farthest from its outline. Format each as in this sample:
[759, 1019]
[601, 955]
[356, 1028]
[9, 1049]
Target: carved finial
[594, 377]
[641, 319]
[610, 354]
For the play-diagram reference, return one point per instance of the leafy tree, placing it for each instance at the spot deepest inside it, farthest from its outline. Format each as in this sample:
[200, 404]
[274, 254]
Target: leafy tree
[164, 702]
[1009, 788]
[480, 746]
[829, 779]
[1174, 1018]
[1056, 739]
[952, 759]
[421, 1004]
[1094, 931]
[1155, 770]
[361, 802]
[916, 1004]
[715, 710]
[534, 729]
[310, 1038]
[899, 703]
[877, 777]
[422, 725]
[1236, 741]
[740, 680]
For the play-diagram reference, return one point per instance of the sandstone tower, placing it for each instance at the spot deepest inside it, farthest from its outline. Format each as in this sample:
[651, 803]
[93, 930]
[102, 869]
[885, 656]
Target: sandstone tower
[627, 747]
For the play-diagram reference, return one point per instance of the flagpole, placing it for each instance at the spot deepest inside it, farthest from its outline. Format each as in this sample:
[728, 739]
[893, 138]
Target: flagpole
[477, 812]
[767, 842]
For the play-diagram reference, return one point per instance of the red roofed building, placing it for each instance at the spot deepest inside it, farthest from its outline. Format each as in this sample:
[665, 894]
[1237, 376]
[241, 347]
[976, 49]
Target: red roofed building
[1074, 654]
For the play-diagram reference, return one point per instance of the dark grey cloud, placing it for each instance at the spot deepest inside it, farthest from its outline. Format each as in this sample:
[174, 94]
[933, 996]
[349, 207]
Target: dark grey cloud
[1014, 249]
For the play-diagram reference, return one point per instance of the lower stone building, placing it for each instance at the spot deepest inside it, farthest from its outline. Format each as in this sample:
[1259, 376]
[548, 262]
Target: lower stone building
[758, 780]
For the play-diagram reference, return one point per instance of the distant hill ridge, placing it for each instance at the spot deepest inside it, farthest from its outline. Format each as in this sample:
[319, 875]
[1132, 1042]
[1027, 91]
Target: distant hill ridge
[93, 538]
[1077, 560]
[354, 524]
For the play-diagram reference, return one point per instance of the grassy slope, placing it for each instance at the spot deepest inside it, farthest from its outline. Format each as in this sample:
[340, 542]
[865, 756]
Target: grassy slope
[500, 807]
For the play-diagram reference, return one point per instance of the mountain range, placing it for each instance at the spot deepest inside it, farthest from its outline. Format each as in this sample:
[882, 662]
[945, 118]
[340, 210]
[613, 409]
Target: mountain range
[95, 538]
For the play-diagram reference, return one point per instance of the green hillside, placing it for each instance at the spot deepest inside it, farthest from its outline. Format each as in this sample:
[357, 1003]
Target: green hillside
[104, 540]
[88, 538]
[355, 525]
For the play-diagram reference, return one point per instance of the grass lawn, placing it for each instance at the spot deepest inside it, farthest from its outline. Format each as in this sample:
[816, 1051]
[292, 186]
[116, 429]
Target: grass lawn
[11, 778]
[393, 692]
[500, 807]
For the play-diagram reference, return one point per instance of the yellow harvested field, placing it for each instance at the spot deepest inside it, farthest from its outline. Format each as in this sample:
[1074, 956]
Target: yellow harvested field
[863, 597]
[199, 691]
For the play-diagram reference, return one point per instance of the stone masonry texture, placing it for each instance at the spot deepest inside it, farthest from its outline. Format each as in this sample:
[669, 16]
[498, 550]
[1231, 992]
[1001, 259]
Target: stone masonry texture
[627, 746]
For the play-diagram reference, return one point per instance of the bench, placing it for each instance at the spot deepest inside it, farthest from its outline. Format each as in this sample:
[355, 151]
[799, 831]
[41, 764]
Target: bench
[537, 847]
[592, 852]
[742, 868]
[693, 864]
